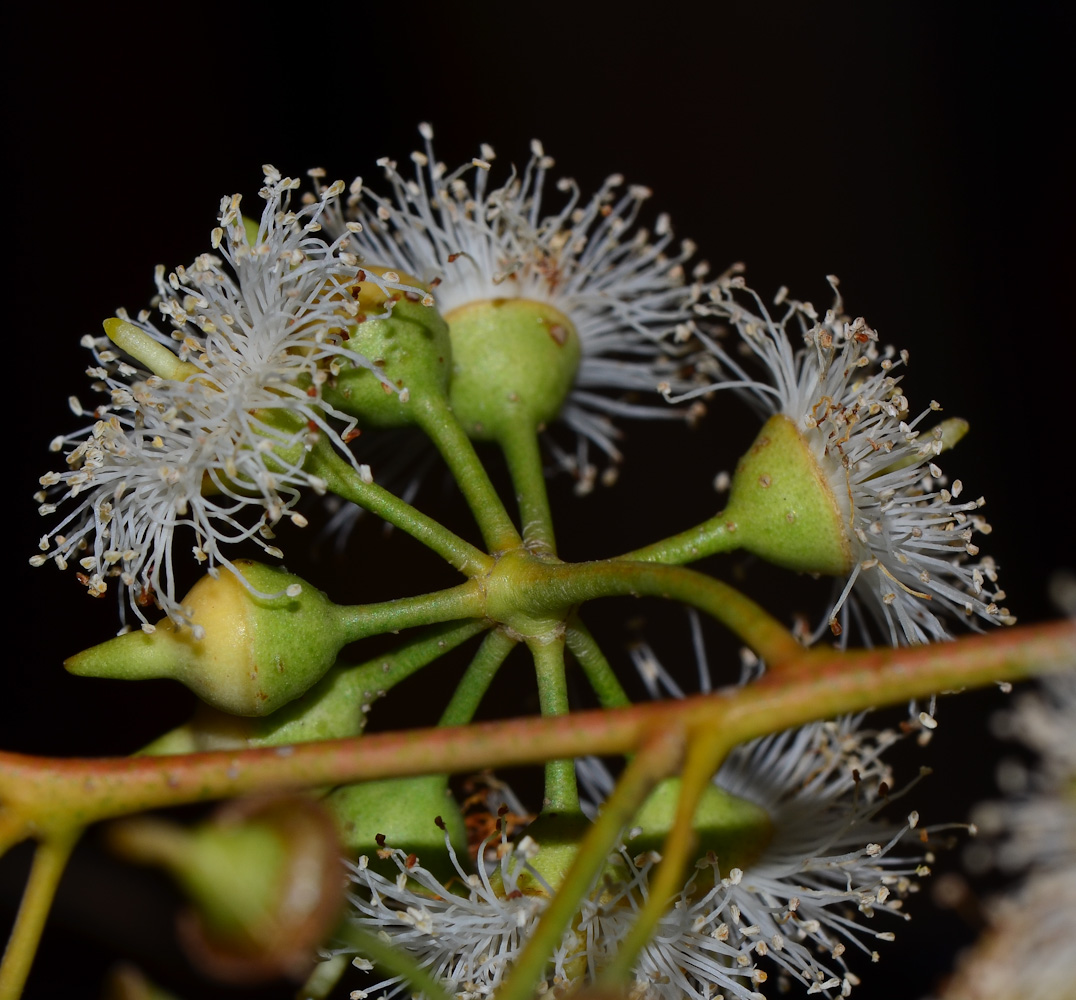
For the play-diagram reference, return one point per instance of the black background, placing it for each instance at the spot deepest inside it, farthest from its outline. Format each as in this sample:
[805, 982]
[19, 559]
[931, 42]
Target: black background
[916, 150]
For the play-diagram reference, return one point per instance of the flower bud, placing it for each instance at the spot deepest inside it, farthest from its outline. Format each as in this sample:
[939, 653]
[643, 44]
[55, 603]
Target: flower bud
[264, 877]
[513, 363]
[556, 837]
[781, 506]
[334, 708]
[412, 814]
[411, 351]
[245, 654]
[733, 829]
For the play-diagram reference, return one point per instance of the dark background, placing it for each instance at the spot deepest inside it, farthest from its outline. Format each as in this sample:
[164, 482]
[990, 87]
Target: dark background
[917, 152]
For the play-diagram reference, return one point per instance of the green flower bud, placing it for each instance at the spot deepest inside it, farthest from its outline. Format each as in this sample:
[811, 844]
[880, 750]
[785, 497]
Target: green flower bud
[246, 654]
[264, 877]
[411, 351]
[513, 364]
[334, 708]
[733, 829]
[781, 506]
[412, 814]
[557, 836]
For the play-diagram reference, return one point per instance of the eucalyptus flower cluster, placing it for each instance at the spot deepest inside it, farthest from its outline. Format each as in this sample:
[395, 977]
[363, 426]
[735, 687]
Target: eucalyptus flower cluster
[463, 310]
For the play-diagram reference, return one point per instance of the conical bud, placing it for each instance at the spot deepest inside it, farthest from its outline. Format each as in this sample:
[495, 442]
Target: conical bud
[244, 654]
[264, 878]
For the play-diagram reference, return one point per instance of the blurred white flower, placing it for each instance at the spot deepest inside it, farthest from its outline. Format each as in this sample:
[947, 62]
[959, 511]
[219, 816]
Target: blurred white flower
[467, 935]
[793, 912]
[789, 916]
[1027, 950]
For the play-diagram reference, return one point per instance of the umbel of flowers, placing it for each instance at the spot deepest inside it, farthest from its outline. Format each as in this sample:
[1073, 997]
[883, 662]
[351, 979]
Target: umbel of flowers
[469, 312]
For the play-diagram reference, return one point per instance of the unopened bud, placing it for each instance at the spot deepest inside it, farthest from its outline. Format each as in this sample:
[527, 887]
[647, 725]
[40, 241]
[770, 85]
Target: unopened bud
[244, 654]
[264, 878]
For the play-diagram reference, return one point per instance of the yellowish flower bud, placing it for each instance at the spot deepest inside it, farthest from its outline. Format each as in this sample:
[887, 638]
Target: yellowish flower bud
[247, 654]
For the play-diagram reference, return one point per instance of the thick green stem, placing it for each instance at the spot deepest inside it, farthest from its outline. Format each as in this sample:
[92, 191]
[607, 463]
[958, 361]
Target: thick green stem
[659, 757]
[706, 539]
[359, 621]
[475, 681]
[49, 862]
[596, 667]
[51, 794]
[344, 481]
[519, 442]
[561, 792]
[580, 582]
[435, 417]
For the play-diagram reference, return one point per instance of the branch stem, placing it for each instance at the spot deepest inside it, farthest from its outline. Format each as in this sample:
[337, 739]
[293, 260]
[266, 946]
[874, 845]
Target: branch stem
[706, 539]
[561, 791]
[580, 582]
[467, 600]
[50, 859]
[519, 442]
[599, 672]
[345, 482]
[59, 793]
[476, 680]
[436, 418]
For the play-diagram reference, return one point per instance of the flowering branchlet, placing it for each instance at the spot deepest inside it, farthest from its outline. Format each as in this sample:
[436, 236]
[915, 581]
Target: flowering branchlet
[587, 260]
[911, 546]
[215, 435]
